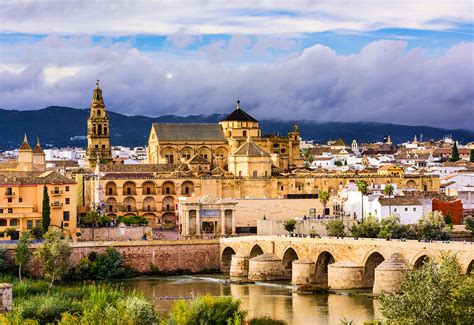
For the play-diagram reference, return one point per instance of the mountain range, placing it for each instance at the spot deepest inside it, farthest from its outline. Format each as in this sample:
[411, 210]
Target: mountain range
[65, 126]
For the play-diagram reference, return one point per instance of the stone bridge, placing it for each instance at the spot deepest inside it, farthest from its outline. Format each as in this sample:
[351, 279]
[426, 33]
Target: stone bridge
[337, 263]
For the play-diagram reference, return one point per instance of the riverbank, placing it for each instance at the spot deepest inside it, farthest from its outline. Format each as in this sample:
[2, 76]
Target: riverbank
[105, 303]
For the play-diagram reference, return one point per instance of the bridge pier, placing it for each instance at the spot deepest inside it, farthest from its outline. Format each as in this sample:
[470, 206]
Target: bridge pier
[389, 275]
[239, 266]
[267, 267]
[345, 275]
[303, 271]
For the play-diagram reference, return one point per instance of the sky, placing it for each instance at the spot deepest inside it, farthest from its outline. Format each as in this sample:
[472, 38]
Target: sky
[409, 62]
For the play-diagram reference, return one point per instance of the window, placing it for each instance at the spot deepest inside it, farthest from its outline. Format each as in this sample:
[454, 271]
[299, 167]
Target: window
[29, 224]
[97, 146]
[254, 173]
[37, 223]
[129, 191]
[20, 199]
[10, 210]
[110, 191]
[129, 208]
[98, 112]
[414, 209]
[281, 188]
[240, 173]
[66, 215]
[9, 191]
[266, 173]
[105, 130]
[56, 189]
[244, 133]
[66, 224]
[10, 200]
[67, 188]
[186, 190]
[148, 190]
[406, 209]
[103, 146]
[167, 190]
[1, 210]
[148, 207]
[13, 223]
[395, 209]
[67, 200]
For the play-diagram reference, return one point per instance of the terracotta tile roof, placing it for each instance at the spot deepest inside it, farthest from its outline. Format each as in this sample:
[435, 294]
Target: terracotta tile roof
[49, 177]
[399, 200]
[188, 132]
[198, 159]
[8, 164]
[251, 149]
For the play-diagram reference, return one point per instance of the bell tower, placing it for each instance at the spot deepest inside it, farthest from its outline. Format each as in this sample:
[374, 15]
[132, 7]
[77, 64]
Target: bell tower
[98, 131]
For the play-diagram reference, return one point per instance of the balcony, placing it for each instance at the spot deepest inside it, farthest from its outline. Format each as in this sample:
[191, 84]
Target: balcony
[149, 209]
[9, 193]
[56, 192]
[56, 205]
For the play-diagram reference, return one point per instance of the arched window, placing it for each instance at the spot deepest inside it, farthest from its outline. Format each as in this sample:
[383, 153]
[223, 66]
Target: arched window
[105, 130]
[244, 133]
[99, 129]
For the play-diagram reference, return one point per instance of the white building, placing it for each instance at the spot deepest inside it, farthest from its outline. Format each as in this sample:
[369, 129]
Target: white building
[408, 208]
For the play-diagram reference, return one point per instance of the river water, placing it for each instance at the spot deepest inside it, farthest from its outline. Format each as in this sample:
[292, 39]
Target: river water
[273, 299]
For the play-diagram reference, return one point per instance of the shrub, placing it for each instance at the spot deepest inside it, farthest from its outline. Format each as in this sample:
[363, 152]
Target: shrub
[290, 225]
[108, 265]
[390, 227]
[4, 267]
[335, 228]
[133, 220]
[469, 224]
[37, 233]
[433, 226]
[369, 228]
[206, 310]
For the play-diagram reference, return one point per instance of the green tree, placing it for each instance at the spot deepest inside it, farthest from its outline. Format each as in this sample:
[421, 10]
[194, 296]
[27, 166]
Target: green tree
[308, 157]
[454, 153]
[290, 225]
[338, 163]
[390, 227]
[369, 228]
[94, 219]
[471, 156]
[22, 252]
[433, 226]
[13, 233]
[335, 228]
[469, 224]
[432, 294]
[46, 213]
[323, 197]
[54, 254]
[388, 190]
[3, 260]
[37, 233]
[363, 188]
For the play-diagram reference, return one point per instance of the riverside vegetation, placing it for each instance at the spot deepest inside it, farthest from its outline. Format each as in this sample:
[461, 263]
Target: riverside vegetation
[97, 301]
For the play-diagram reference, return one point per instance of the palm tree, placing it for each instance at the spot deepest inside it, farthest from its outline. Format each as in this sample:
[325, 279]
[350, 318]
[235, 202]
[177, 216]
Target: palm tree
[323, 197]
[363, 188]
[388, 191]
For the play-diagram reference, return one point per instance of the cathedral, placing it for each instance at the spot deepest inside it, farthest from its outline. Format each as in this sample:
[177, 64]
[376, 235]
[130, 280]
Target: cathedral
[235, 145]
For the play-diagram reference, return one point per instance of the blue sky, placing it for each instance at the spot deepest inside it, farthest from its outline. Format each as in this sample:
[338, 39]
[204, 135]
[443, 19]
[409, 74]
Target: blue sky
[321, 60]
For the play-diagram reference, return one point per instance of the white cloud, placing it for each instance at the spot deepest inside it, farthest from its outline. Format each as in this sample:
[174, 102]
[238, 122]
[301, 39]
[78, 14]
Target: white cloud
[53, 74]
[227, 17]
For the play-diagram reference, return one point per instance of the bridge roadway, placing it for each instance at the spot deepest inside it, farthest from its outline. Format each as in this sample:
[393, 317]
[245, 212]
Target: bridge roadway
[343, 263]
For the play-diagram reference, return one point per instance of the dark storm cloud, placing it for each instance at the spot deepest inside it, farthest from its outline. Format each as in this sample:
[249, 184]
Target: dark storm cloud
[385, 82]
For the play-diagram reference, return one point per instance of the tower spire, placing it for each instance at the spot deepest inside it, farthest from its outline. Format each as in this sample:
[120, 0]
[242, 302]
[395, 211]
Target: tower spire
[238, 103]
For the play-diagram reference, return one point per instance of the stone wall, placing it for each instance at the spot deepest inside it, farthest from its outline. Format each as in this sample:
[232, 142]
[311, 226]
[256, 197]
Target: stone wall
[165, 256]
[114, 233]
[308, 226]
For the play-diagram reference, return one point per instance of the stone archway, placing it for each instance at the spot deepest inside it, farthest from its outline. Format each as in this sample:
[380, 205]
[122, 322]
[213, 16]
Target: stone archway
[255, 251]
[324, 259]
[289, 256]
[374, 260]
[470, 268]
[226, 259]
[420, 261]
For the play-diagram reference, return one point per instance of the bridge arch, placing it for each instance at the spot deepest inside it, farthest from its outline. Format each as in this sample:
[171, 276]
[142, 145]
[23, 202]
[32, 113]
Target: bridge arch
[324, 259]
[420, 259]
[373, 260]
[226, 258]
[470, 268]
[255, 251]
[289, 256]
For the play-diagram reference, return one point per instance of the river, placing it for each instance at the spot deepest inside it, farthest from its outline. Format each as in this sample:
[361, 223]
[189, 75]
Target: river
[273, 299]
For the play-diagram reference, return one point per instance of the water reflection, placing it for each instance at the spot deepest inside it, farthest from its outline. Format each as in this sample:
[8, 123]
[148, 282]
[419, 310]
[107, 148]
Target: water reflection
[275, 300]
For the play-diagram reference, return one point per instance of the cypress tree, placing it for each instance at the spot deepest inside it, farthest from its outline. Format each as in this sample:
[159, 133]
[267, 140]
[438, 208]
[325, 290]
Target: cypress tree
[455, 153]
[46, 214]
[471, 159]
